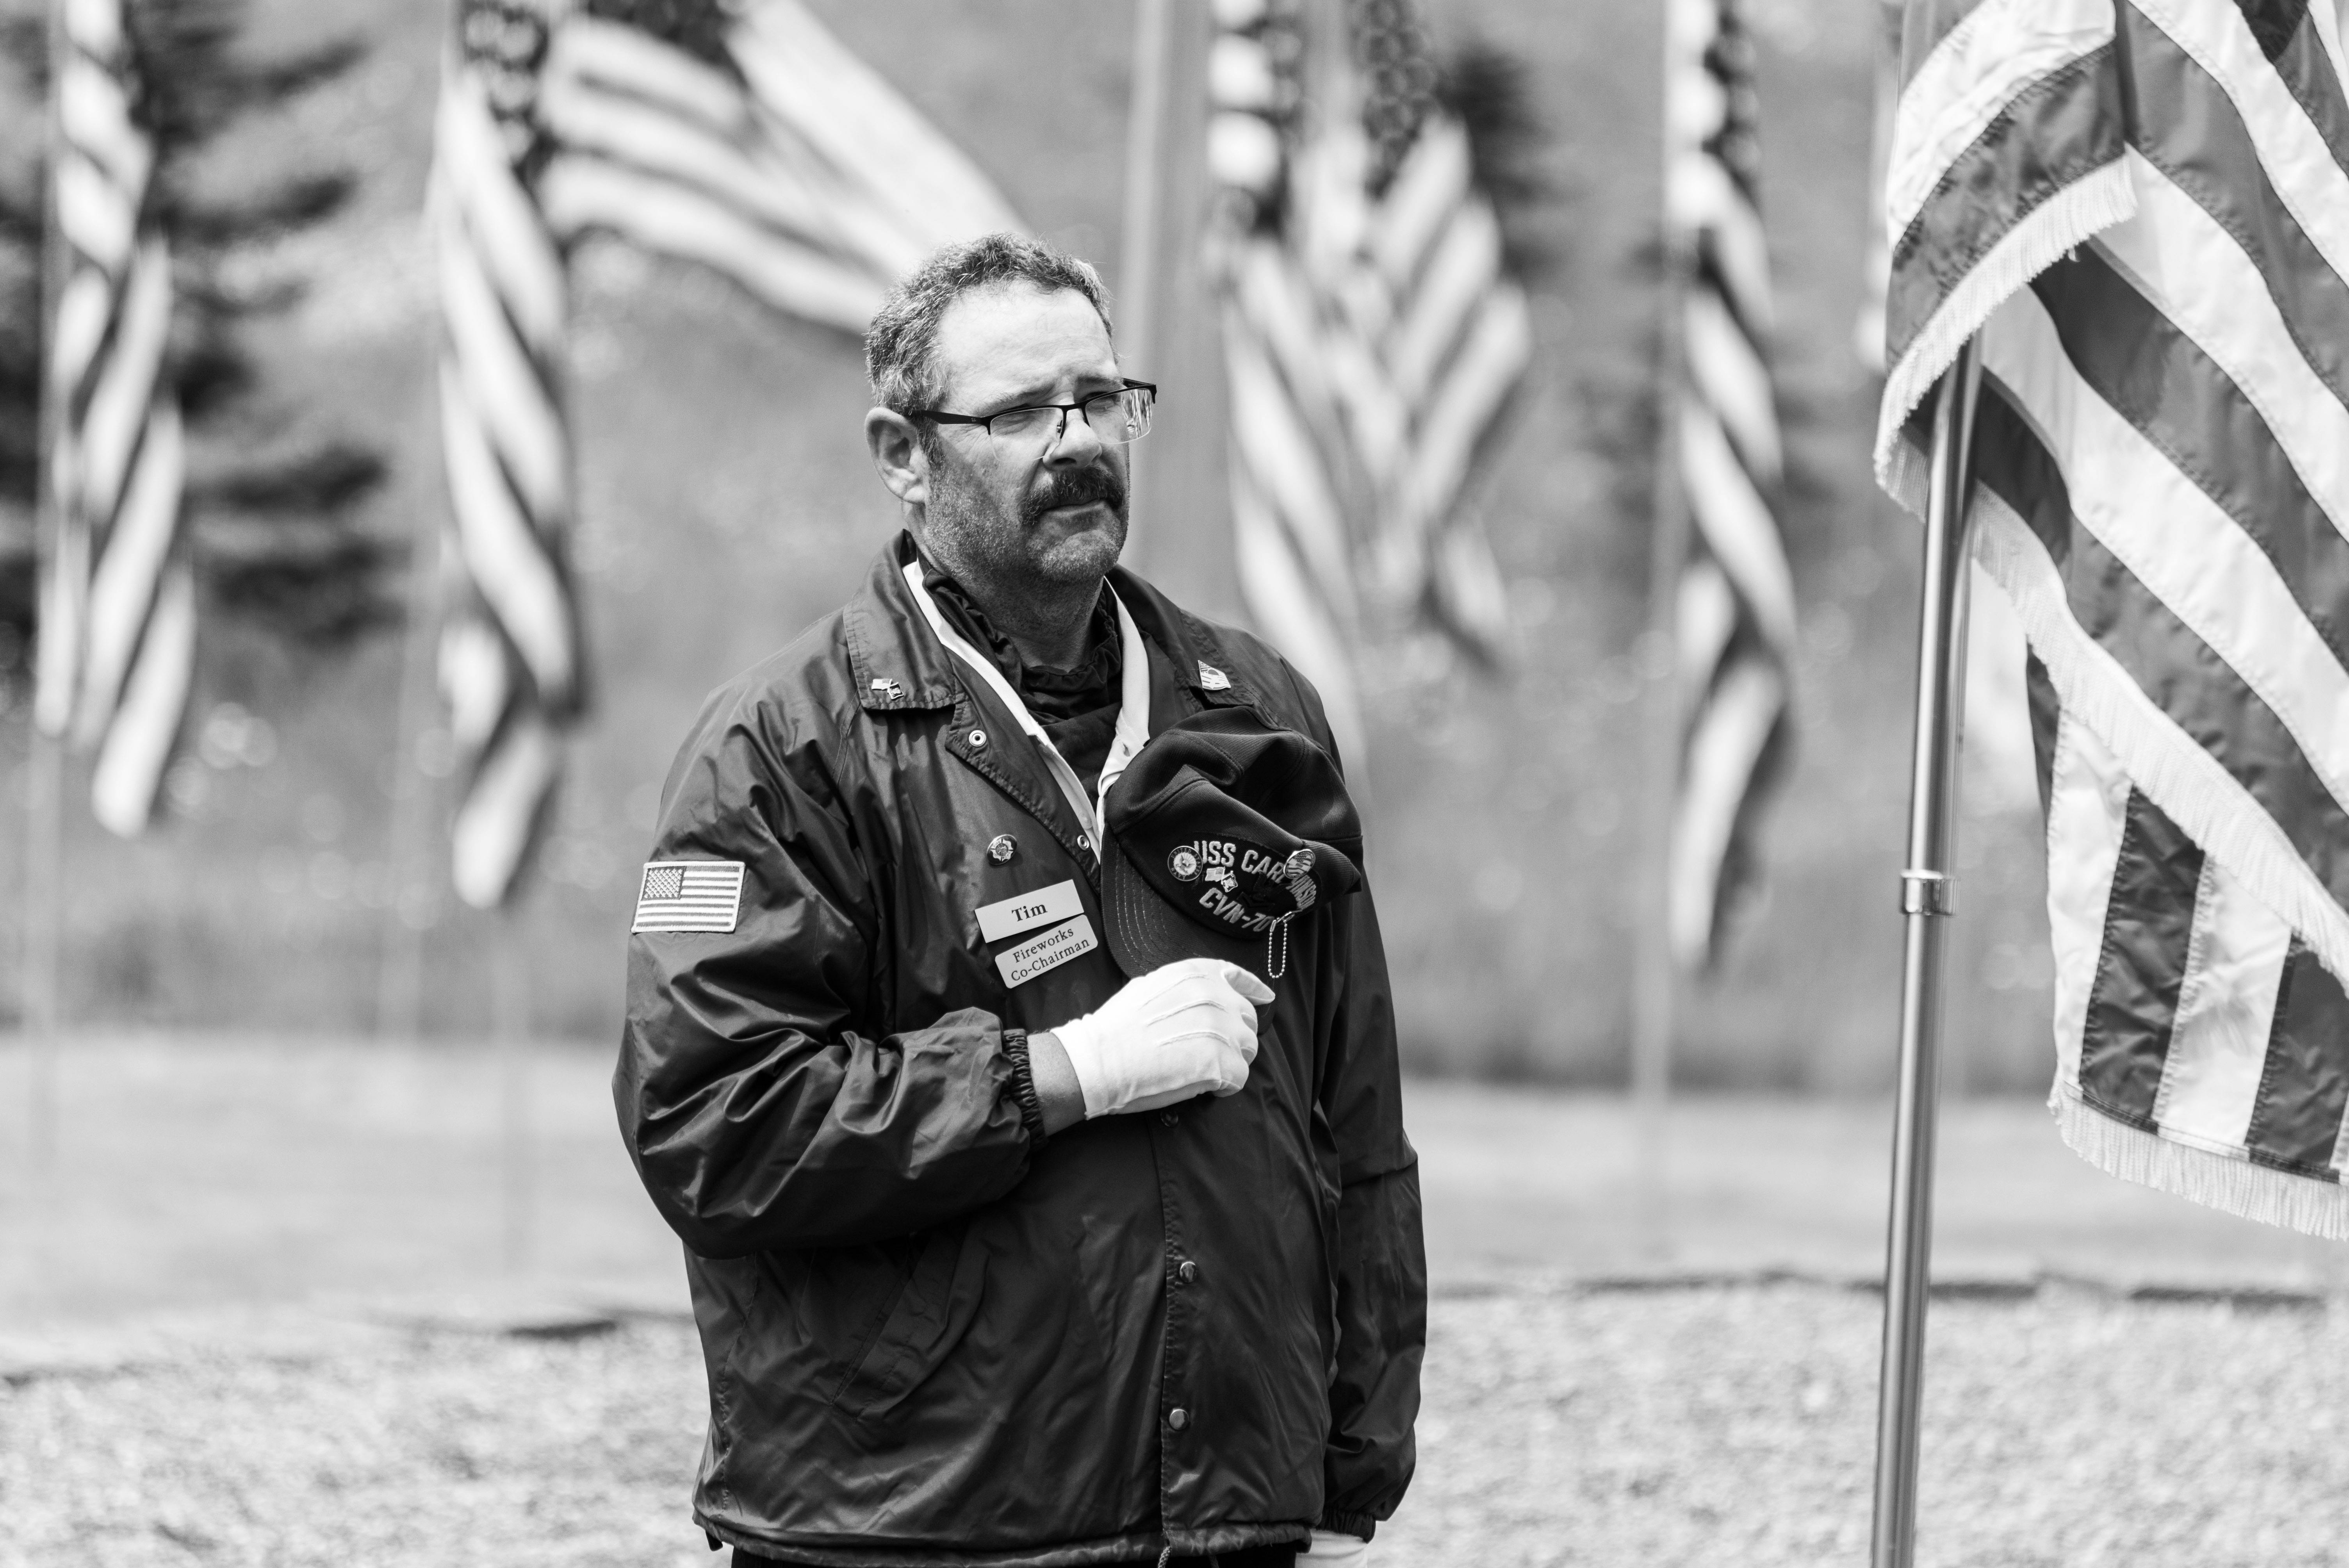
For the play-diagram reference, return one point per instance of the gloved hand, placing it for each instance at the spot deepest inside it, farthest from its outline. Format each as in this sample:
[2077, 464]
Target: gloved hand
[1186, 1029]
[1332, 1550]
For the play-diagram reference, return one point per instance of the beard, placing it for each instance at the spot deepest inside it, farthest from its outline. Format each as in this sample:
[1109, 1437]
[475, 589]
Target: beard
[979, 534]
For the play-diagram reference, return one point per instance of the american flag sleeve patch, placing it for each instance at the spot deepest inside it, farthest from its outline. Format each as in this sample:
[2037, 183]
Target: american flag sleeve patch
[689, 895]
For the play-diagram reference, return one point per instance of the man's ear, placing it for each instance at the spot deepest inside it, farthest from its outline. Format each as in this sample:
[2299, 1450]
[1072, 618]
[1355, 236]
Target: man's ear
[897, 448]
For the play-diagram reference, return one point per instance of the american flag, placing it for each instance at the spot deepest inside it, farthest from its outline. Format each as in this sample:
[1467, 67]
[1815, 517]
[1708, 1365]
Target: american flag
[118, 626]
[510, 651]
[2142, 209]
[689, 895]
[749, 139]
[1372, 339]
[743, 137]
[1734, 612]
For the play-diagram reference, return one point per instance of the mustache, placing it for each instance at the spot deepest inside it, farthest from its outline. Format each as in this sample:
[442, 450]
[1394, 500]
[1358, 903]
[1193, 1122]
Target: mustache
[1076, 487]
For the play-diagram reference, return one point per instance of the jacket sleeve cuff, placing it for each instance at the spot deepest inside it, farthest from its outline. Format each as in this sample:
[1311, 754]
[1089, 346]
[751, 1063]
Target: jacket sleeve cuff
[1361, 1526]
[1023, 1086]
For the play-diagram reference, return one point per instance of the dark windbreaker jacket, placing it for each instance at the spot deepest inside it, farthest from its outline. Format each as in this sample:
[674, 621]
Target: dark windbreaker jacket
[931, 1338]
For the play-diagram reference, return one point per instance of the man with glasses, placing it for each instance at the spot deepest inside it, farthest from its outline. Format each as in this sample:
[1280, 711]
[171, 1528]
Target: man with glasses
[1029, 1222]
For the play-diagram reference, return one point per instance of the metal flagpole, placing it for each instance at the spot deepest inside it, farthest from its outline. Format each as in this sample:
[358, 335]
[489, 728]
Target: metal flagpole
[1142, 268]
[1926, 904]
[1655, 982]
[399, 972]
[1182, 535]
[43, 883]
[511, 1008]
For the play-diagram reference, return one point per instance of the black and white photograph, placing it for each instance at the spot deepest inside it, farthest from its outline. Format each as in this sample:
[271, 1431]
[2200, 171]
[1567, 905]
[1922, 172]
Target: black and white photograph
[1202, 783]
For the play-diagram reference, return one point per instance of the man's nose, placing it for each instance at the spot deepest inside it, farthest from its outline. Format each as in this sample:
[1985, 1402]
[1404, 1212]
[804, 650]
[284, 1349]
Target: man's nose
[1078, 444]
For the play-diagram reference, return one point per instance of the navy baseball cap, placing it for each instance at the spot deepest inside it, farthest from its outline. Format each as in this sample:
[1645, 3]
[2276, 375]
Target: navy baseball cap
[1222, 831]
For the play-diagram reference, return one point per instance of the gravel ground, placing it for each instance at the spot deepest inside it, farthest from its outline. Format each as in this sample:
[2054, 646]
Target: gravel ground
[1686, 1425]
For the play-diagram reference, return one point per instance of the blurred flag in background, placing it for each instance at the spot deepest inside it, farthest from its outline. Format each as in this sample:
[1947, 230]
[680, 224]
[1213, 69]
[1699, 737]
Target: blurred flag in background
[745, 138]
[2143, 209]
[748, 137]
[1735, 614]
[509, 644]
[118, 623]
[1372, 339]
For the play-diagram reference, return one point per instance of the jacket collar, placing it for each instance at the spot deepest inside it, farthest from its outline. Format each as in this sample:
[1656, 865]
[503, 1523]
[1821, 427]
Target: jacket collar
[898, 666]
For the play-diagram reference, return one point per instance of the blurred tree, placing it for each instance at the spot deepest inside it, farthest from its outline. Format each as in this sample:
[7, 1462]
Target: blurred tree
[273, 511]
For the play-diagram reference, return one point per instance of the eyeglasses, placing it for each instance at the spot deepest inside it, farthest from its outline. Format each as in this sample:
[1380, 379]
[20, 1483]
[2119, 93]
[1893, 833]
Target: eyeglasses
[1117, 417]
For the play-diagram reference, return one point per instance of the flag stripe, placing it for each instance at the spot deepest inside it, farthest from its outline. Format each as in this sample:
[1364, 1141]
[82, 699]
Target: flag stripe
[97, 217]
[2226, 1011]
[2313, 73]
[510, 395]
[114, 417]
[1277, 451]
[1725, 749]
[1926, 31]
[728, 158]
[1965, 80]
[1455, 282]
[1429, 186]
[849, 114]
[2220, 318]
[117, 607]
[589, 54]
[2175, 540]
[1735, 592]
[2304, 1086]
[2189, 131]
[2304, 160]
[138, 745]
[2087, 810]
[94, 112]
[508, 235]
[2227, 721]
[2135, 357]
[1291, 605]
[1737, 524]
[663, 215]
[498, 818]
[2143, 964]
[2066, 125]
[130, 574]
[1731, 245]
[1465, 412]
[1736, 381]
[503, 550]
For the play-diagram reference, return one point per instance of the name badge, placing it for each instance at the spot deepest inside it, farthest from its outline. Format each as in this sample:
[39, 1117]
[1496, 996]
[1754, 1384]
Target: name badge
[1049, 951]
[1026, 911]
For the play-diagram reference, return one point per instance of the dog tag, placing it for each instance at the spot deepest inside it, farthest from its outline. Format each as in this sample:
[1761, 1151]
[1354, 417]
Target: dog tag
[1026, 911]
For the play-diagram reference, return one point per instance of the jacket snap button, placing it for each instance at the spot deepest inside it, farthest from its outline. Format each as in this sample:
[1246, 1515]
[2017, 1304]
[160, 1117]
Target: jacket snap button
[1187, 1271]
[1178, 1417]
[979, 738]
[1167, 1118]
[1001, 848]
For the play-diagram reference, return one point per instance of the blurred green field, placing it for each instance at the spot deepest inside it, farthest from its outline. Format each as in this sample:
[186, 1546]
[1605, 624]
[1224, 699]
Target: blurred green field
[726, 503]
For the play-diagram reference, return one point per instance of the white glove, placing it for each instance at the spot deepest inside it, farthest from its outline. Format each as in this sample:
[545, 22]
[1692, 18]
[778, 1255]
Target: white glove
[1186, 1029]
[1344, 1551]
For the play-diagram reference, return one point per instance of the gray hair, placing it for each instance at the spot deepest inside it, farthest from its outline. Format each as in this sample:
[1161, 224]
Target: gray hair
[900, 346]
